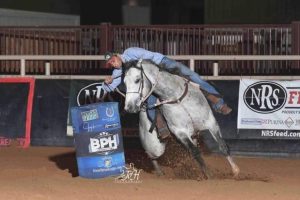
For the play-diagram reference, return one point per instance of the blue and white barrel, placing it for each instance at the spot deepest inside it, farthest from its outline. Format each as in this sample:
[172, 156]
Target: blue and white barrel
[98, 140]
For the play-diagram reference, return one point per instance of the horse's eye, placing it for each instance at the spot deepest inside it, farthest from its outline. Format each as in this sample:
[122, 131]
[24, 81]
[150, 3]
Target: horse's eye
[137, 80]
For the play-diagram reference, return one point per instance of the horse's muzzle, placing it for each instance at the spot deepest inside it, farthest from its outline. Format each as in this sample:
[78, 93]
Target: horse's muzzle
[131, 108]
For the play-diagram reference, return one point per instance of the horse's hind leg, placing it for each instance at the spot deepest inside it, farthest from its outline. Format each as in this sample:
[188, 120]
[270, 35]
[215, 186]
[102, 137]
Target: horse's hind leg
[225, 151]
[234, 167]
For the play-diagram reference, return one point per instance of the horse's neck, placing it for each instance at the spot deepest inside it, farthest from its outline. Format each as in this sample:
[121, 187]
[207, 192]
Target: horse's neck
[166, 84]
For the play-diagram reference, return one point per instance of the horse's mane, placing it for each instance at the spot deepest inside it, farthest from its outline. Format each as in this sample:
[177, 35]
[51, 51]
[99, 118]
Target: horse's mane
[133, 63]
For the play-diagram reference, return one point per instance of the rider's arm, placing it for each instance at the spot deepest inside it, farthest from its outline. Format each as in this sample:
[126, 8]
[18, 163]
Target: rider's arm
[117, 79]
[117, 73]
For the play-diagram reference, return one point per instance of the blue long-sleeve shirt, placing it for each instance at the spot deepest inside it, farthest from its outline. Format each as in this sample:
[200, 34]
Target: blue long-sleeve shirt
[132, 53]
[117, 79]
[136, 53]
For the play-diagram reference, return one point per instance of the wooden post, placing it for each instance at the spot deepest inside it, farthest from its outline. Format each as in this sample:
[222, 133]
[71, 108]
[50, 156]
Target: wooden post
[215, 69]
[47, 68]
[192, 64]
[295, 32]
[23, 69]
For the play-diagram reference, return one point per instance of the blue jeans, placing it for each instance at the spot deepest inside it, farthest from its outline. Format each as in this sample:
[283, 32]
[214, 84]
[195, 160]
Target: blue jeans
[151, 112]
[184, 71]
[180, 69]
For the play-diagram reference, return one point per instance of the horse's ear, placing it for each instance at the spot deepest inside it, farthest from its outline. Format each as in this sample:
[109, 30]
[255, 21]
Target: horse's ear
[127, 65]
[139, 63]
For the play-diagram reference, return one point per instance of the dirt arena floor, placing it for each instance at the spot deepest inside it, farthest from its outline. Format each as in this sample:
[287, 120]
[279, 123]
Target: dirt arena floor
[39, 173]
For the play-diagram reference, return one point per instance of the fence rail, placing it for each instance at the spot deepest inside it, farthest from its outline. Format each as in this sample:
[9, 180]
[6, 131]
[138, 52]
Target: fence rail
[282, 39]
[215, 59]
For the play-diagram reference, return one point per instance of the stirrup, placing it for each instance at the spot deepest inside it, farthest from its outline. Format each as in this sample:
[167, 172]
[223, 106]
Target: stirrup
[163, 133]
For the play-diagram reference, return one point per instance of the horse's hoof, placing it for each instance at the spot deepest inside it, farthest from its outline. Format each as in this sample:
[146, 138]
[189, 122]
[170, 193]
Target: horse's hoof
[207, 174]
[236, 172]
[159, 173]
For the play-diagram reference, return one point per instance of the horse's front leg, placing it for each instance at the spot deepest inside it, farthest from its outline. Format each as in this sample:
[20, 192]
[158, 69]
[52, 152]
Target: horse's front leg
[191, 145]
[150, 142]
[157, 167]
[183, 129]
[193, 148]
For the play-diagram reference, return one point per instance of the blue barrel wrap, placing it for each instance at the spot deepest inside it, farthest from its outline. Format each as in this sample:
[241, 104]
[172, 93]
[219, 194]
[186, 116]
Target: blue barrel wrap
[98, 140]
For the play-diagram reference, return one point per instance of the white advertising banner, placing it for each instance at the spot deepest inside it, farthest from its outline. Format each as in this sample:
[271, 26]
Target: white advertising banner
[269, 105]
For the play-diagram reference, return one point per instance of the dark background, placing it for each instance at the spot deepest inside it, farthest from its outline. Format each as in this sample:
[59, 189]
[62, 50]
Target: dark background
[169, 11]
[13, 106]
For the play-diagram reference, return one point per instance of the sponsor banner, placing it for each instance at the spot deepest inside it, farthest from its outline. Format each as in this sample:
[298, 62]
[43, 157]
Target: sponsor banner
[91, 93]
[16, 102]
[268, 134]
[82, 93]
[270, 105]
[96, 117]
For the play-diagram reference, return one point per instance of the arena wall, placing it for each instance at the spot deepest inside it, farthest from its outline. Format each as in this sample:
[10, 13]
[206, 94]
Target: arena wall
[50, 113]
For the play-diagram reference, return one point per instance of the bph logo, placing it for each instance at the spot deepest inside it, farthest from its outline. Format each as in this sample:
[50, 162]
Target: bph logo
[92, 93]
[104, 143]
[265, 97]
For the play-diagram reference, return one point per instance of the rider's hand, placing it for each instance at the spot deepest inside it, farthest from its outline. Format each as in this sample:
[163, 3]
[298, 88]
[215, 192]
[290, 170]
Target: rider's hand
[108, 80]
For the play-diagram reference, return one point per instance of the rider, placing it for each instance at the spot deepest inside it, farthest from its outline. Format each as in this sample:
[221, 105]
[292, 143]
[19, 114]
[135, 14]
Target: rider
[134, 53]
[115, 61]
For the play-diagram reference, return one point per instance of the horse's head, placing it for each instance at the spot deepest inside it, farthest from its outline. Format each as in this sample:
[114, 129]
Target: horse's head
[138, 85]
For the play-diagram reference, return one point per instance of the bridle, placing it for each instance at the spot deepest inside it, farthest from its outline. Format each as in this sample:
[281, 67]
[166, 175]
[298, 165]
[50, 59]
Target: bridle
[142, 100]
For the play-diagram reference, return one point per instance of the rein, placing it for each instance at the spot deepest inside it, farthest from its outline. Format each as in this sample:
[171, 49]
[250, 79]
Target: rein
[116, 89]
[153, 85]
[172, 101]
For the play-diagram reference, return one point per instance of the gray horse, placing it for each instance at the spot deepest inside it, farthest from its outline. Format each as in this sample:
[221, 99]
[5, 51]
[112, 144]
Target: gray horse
[183, 105]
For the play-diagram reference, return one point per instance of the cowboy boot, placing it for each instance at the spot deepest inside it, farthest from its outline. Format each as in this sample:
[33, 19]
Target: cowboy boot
[162, 128]
[223, 109]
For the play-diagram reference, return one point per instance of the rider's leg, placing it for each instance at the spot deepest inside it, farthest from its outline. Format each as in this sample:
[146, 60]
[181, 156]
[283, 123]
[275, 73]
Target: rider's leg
[161, 125]
[209, 91]
[151, 112]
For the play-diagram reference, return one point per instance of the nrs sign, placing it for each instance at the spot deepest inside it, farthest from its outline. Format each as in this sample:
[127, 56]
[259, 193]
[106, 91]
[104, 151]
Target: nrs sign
[264, 103]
